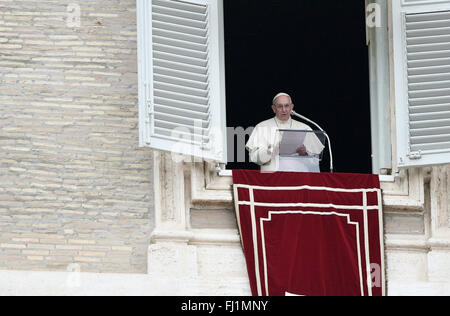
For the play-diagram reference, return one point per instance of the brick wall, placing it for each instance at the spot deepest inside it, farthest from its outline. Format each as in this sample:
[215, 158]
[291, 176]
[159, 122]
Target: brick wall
[74, 186]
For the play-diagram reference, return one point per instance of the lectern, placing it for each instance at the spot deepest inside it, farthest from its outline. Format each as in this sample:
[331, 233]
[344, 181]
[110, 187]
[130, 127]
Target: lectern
[288, 159]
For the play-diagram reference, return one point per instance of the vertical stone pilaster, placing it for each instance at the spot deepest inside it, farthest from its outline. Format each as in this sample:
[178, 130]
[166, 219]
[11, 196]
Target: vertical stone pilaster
[440, 197]
[170, 255]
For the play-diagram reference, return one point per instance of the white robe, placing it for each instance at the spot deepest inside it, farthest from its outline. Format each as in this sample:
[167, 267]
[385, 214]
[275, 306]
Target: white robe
[266, 134]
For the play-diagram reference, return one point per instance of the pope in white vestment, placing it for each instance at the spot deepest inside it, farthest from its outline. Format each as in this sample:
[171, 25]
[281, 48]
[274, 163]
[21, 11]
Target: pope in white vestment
[263, 145]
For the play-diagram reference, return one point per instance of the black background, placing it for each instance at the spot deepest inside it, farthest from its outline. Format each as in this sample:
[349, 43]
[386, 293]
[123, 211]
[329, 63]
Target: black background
[315, 51]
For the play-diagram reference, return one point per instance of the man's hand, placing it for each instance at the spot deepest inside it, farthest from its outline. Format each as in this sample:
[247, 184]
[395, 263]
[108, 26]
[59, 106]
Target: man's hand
[301, 151]
[273, 148]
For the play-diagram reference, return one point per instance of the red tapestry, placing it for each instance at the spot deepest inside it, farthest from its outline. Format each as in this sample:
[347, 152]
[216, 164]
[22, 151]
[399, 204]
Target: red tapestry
[314, 234]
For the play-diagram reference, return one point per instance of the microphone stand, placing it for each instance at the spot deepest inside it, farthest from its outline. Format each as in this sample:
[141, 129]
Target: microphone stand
[321, 129]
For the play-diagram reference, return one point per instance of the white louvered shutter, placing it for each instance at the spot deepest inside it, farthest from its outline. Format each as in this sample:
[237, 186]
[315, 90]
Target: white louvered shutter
[422, 81]
[181, 64]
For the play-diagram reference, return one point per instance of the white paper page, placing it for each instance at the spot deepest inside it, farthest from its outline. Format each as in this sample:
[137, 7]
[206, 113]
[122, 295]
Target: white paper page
[291, 140]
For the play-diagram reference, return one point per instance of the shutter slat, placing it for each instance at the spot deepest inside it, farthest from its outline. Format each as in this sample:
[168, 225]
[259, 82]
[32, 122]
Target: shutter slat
[182, 120]
[427, 25]
[164, 9]
[164, 63]
[429, 116]
[436, 147]
[181, 97]
[430, 108]
[180, 89]
[428, 55]
[429, 85]
[181, 5]
[428, 47]
[181, 104]
[180, 36]
[199, 62]
[429, 39]
[431, 124]
[181, 82]
[180, 44]
[182, 112]
[181, 136]
[429, 93]
[180, 74]
[176, 126]
[429, 100]
[429, 62]
[429, 70]
[428, 20]
[429, 32]
[179, 21]
[179, 29]
[430, 139]
[179, 51]
[429, 17]
[429, 78]
[180, 59]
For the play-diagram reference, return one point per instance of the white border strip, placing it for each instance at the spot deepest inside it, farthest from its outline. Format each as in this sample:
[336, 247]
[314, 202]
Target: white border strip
[383, 178]
[366, 244]
[344, 207]
[262, 220]
[238, 216]
[381, 225]
[255, 244]
[303, 187]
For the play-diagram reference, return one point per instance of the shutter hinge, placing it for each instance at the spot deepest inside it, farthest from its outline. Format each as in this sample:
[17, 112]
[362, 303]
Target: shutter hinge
[416, 155]
[149, 107]
[149, 111]
[205, 146]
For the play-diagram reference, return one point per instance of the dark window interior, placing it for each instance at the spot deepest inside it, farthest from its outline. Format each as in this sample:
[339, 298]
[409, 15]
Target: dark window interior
[313, 50]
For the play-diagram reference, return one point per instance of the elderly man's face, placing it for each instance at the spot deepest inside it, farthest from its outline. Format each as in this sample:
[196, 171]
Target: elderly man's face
[282, 108]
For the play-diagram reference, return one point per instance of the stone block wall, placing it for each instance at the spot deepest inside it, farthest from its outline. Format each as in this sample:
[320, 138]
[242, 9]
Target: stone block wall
[75, 188]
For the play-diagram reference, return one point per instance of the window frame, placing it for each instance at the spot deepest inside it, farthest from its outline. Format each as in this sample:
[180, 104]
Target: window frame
[380, 90]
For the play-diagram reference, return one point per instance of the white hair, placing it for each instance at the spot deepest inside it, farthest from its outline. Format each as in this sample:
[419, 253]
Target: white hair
[281, 94]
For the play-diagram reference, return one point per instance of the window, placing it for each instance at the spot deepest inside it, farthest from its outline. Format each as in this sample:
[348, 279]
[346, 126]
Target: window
[421, 39]
[314, 50]
[181, 77]
[182, 74]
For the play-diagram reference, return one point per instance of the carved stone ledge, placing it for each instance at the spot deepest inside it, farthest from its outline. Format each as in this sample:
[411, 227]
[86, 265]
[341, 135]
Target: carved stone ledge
[394, 242]
[208, 188]
[406, 193]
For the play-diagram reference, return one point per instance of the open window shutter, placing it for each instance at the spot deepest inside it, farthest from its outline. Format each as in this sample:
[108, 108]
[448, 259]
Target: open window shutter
[422, 81]
[181, 67]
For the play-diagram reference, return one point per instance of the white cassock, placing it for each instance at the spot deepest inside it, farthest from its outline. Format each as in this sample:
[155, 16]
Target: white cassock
[266, 135]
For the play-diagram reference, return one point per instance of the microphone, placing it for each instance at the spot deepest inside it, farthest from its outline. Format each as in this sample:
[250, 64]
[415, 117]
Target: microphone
[321, 129]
